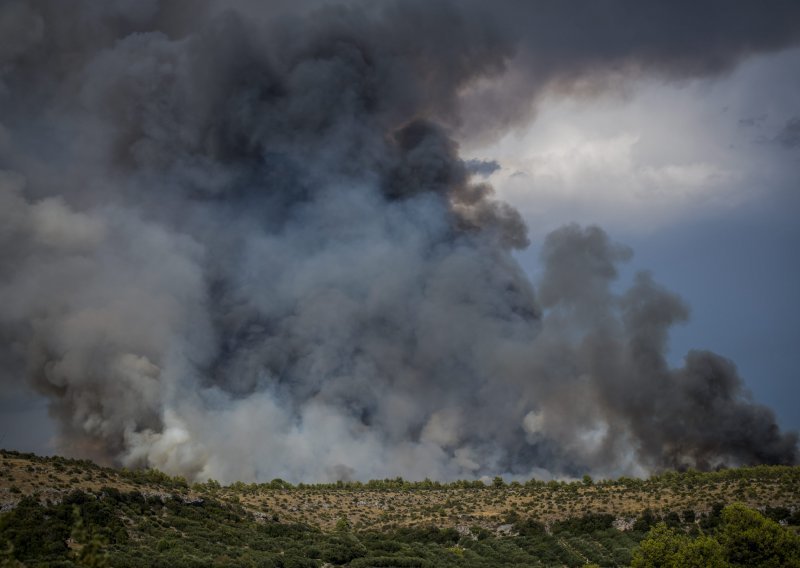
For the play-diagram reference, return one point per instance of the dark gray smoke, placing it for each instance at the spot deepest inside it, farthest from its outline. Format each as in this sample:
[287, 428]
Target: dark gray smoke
[237, 240]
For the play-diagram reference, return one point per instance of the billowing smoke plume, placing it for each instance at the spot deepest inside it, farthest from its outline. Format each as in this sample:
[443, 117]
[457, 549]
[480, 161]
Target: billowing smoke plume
[237, 240]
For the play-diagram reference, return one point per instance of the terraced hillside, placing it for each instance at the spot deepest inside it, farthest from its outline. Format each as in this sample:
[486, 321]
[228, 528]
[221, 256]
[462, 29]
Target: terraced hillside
[67, 512]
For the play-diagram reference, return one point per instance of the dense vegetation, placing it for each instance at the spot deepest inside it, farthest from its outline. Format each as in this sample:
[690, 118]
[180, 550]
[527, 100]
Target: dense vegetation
[146, 518]
[739, 537]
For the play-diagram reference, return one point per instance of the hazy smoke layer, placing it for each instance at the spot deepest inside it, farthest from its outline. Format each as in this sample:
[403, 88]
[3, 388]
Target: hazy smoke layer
[237, 240]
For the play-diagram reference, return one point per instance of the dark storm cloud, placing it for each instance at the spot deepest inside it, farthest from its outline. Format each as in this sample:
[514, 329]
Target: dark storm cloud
[582, 47]
[239, 241]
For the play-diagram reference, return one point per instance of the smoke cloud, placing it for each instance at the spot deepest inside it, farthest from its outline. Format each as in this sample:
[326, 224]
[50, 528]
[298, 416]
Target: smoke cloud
[238, 241]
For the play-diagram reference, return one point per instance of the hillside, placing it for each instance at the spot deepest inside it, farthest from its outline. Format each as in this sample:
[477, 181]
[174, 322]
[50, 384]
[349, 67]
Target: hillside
[56, 509]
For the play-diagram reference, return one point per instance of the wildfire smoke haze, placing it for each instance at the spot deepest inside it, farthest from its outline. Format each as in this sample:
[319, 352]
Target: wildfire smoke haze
[237, 240]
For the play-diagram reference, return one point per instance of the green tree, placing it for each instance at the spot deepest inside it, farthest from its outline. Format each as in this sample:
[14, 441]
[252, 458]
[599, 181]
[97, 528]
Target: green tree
[750, 539]
[7, 559]
[702, 552]
[343, 525]
[660, 548]
[92, 550]
[745, 538]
